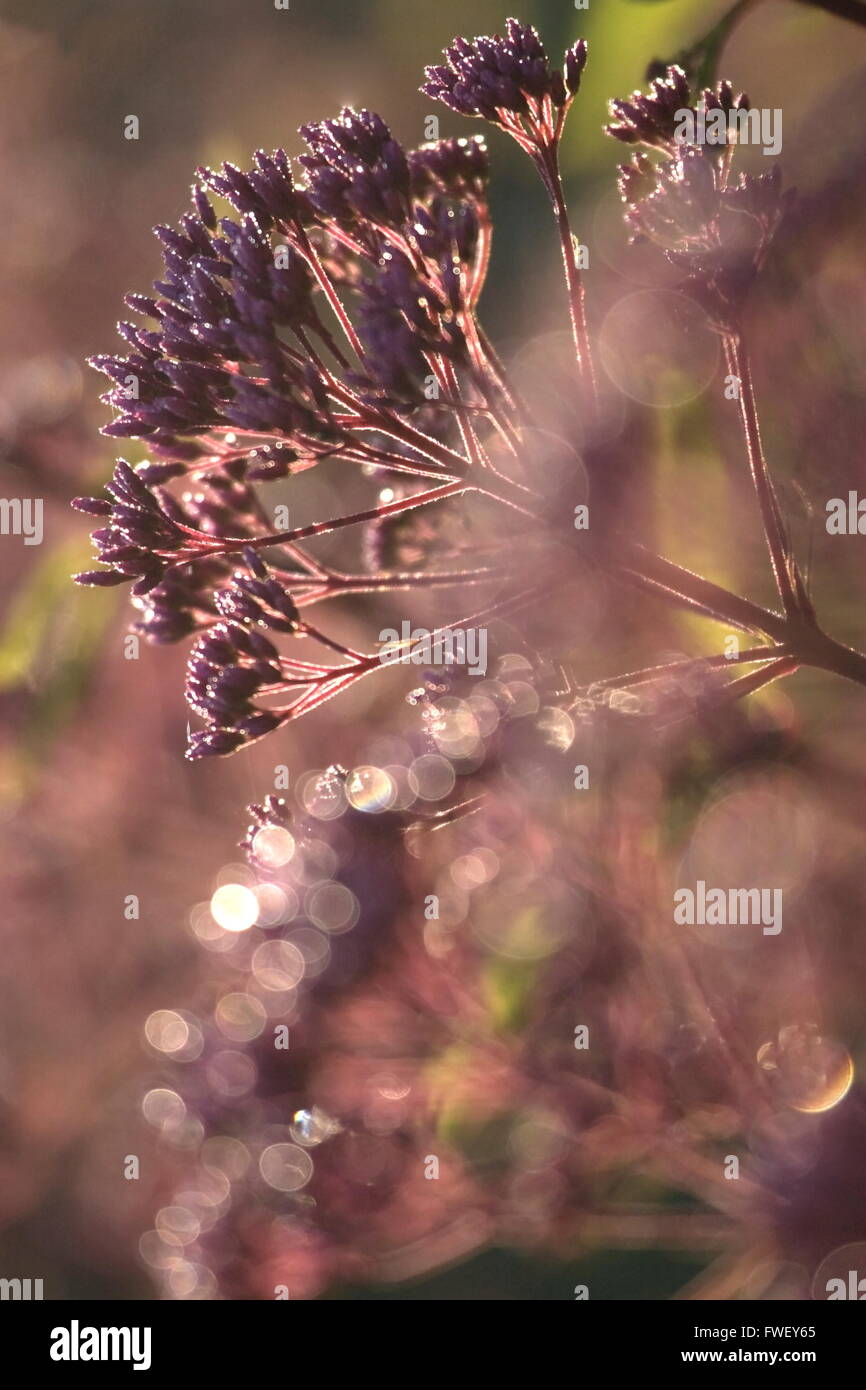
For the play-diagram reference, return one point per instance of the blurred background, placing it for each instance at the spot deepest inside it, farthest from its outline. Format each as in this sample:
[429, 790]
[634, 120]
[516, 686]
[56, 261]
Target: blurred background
[96, 801]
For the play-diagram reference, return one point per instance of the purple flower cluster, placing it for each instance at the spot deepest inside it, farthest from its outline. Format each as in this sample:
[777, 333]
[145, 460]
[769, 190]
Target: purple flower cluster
[228, 666]
[236, 312]
[357, 173]
[234, 661]
[715, 229]
[139, 529]
[151, 534]
[651, 118]
[242, 380]
[502, 77]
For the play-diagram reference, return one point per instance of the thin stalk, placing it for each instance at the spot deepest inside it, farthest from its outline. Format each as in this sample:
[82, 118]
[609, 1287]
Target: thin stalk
[650, 674]
[573, 277]
[722, 603]
[771, 516]
[228, 544]
[311, 590]
[311, 256]
[756, 680]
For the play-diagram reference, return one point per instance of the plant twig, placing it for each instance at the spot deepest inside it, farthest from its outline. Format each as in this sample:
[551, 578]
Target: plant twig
[775, 531]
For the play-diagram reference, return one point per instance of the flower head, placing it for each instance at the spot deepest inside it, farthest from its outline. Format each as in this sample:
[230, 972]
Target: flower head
[715, 229]
[718, 234]
[651, 119]
[655, 118]
[356, 170]
[138, 533]
[228, 666]
[458, 168]
[507, 79]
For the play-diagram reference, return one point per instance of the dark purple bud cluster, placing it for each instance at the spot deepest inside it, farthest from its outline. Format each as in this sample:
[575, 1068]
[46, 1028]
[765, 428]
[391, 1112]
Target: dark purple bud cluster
[138, 532]
[224, 298]
[458, 168]
[401, 318]
[181, 603]
[228, 666]
[498, 77]
[266, 191]
[651, 118]
[356, 171]
[150, 529]
[234, 661]
[256, 596]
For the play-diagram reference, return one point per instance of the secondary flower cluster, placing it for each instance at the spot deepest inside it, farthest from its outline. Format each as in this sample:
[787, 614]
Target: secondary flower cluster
[717, 231]
[233, 661]
[652, 118]
[239, 312]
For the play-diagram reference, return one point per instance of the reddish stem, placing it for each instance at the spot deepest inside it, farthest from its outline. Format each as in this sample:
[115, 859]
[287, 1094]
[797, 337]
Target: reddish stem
[771, 516]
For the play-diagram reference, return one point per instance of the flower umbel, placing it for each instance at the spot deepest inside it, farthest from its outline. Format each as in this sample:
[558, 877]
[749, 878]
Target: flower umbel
[335, 320]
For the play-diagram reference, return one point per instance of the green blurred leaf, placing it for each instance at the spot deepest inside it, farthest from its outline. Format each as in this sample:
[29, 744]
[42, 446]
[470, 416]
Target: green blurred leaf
[52, 634]
[701, 59]
[507, 989]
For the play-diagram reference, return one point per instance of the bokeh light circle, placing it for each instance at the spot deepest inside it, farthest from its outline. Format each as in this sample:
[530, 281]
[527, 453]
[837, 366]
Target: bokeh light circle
[286, 1167]
[234, 907]
[657, 347]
